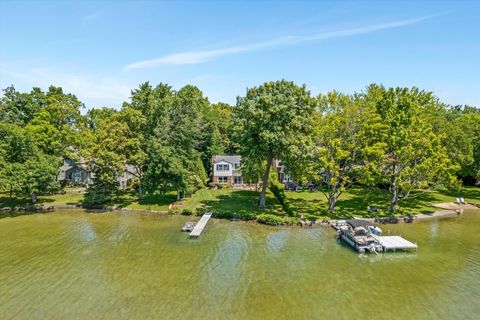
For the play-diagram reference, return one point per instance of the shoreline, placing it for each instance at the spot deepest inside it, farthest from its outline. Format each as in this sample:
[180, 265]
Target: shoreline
[450, 209]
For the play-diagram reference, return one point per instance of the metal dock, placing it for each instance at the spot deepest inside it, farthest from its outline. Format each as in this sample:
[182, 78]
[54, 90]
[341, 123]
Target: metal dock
[197, 230]
[395, 243]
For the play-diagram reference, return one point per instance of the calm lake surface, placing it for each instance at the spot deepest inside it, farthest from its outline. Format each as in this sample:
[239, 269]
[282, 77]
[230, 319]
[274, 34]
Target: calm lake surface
[78, 265]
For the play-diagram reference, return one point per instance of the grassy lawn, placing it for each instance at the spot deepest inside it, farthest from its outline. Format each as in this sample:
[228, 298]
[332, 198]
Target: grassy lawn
[71, 197]
[149, 202]
[243, 203]
[356, 200]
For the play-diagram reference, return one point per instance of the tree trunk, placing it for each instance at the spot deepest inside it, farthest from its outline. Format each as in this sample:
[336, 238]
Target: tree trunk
[11, 196]
[140, 191]
[331, 203]
[178, 195]
[394, 200]
[34, 197]
[261, 201]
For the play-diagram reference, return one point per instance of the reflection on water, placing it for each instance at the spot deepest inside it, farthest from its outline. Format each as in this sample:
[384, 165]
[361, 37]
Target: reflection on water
[76, 265]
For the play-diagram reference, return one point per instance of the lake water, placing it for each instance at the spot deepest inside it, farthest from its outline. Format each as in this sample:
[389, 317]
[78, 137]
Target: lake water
[78, 265]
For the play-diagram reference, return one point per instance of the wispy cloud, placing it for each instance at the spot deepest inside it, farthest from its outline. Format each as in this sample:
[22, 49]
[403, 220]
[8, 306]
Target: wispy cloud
[90, 18]
[194, 57]
[93, 90]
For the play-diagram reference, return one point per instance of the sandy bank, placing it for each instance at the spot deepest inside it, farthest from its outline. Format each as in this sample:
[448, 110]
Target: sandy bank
[455, 206]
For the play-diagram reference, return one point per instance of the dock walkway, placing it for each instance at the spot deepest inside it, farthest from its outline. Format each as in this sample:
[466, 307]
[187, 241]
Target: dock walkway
[394, 243]
[197, 230]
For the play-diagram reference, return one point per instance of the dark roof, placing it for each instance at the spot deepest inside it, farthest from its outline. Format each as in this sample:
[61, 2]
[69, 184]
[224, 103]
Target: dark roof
[230, 159]
[355, 223]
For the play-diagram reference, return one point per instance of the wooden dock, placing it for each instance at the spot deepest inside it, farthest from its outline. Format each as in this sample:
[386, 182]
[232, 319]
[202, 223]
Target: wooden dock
[197, 230]
[395, 243]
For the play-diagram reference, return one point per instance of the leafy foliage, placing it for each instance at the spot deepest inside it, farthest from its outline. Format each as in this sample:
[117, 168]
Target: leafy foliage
[415, 157]
[271, 219]
[349, 147]
[273, 121]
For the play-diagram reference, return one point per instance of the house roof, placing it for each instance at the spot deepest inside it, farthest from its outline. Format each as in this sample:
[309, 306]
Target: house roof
[231, 159]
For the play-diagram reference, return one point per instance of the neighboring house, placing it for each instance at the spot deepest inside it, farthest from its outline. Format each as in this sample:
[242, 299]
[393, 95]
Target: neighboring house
[226, 170]
[128, 175]
[75, 172]
[78, 173]
[283, 177]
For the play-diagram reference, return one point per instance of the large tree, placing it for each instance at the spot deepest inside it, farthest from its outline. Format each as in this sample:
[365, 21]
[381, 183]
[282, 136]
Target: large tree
[24, 168]
[174, 153]
[469, 125]
[20, 108]
[108, 159]
[415, 157]
[349, 144]
[59, 124]
[273, 122]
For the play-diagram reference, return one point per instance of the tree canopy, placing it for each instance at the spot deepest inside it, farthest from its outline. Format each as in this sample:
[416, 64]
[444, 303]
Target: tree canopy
[403, 138]
[274, 122]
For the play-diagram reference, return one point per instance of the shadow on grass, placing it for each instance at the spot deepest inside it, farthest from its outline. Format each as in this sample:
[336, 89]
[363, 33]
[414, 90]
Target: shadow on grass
[470, 193]
[360, 198]
[356, 202]
[22, 202]
[243, 203]
[128, 198]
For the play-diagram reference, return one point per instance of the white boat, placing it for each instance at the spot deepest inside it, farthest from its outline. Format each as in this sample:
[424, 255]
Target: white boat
[357, 234]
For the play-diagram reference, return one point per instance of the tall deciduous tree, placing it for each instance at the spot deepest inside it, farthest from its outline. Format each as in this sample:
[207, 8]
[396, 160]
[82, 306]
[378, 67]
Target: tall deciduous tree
[20, 108]
[174, 154]
[273, 121]
[349, 144]
[108, 159]
[469, 125]
[415, 157]
[59, 123]
[24, 169]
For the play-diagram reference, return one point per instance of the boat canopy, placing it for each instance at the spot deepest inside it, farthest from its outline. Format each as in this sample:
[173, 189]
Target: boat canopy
[355, 223]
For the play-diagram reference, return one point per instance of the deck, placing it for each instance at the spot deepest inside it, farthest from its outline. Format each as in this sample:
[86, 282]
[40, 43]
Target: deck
[197, 230]
[395, 243]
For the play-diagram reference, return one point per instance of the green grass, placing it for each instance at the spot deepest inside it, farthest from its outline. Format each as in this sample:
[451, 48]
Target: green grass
[355, 201]
[240, 202]
[69, 198]
[149, 202]
[243, 203]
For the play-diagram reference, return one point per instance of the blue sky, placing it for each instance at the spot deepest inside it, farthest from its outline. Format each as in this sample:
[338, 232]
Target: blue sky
[99, 51]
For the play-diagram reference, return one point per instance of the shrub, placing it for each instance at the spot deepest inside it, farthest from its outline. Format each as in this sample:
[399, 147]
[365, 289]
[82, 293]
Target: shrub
[248, 216]
[200, 211]
[224, 215]
[187, 212]
[233, 215]
[270, 219]
[279, 193]
[291, 220]
[174, 211]
[219, 185]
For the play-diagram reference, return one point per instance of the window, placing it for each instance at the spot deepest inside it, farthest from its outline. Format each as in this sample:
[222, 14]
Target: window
[237, 165]
[222, 167]
[222, 179]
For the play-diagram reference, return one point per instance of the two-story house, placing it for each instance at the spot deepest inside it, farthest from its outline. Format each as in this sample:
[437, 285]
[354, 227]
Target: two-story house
[78, 172]
[226, 170]
[73, 172]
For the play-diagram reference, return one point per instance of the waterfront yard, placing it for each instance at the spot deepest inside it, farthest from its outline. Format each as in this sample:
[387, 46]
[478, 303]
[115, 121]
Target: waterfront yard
[356, 200]
[243, 203]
